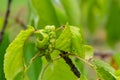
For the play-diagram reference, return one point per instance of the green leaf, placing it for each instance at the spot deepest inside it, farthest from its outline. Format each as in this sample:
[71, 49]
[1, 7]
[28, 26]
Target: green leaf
[118, 78]
[1, 23]
[83, 77]
[60, 71]
[14, 57]
[89, 52]
[46, 13]
[62, 17]
[113, 24]
[77, 41]
[117, 73]
[104, 70]
[64, 40]
[32, 17]
[36, 66]
[71, 40]
[106, 66]
[105, 74]
[72, 10]
[3, 45]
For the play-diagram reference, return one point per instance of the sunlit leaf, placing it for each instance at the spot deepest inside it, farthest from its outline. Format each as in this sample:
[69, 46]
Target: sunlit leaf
[89, 52]
[14, 57]
[106, 66]
[105, 74]
[71, 40]
[117, 73]
[77, 41]
[104, 70]
[64, 40]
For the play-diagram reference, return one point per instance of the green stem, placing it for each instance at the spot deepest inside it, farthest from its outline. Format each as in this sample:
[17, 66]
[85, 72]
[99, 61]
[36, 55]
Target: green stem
[83, 60]
[60, 28]
[32, 60]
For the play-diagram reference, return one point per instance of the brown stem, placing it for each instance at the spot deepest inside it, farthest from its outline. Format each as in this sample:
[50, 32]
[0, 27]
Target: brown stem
[20, 22]
[64, 55]
[6, 20]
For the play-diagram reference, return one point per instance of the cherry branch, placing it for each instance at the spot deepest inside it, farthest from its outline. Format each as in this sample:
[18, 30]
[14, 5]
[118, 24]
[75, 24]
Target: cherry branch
[74, 69]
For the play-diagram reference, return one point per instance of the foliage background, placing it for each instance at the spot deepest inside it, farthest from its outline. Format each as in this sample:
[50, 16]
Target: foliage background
[99, 20]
